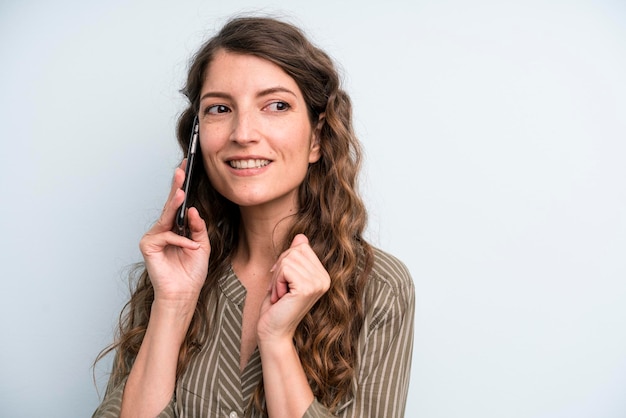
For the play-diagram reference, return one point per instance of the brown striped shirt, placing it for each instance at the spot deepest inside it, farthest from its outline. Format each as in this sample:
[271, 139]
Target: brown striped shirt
[213, 385]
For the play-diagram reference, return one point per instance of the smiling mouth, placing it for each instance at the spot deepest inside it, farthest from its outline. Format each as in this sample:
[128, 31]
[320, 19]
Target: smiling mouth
[243, 164]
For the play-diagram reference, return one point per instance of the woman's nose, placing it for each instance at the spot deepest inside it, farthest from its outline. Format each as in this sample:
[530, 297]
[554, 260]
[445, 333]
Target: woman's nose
[244, 128]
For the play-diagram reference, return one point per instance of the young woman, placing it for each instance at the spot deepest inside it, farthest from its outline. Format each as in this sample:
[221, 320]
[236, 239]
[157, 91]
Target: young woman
[274, 304]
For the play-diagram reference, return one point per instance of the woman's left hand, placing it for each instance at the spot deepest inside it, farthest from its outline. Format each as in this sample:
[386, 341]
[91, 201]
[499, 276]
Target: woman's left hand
[298, 281]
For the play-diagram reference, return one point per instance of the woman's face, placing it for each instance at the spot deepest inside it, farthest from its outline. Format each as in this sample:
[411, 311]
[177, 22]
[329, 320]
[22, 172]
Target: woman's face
[255, 133]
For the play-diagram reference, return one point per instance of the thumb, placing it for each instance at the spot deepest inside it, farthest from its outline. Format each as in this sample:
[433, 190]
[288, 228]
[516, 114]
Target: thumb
[299, 240]
[197, 226]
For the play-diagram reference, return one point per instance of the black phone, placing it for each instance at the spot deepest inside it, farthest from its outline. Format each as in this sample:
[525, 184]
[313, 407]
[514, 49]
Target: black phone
[181, 214]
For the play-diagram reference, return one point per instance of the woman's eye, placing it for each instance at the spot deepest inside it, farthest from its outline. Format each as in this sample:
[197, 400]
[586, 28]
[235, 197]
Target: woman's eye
[217, 109]
[278, 106]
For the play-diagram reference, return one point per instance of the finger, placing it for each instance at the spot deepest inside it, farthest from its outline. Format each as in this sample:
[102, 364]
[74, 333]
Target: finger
[178, 179]
[197, 226]
[154, 243]
[273, 293]
[174, 200]
[183, 164]
[166, 220]
[299, 239]
[302, 271]
[279, 288]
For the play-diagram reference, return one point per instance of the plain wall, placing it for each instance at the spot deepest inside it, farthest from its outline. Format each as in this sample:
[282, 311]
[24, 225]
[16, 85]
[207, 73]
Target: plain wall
[495, 135]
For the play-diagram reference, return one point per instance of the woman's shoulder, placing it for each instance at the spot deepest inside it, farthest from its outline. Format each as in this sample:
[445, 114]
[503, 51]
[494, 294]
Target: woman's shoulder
[389, 292]
[390, 273]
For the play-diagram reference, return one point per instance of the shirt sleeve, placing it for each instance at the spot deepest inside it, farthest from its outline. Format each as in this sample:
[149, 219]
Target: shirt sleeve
[386, 345]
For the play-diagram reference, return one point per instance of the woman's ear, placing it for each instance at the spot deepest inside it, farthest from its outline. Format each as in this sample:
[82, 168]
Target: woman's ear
[315, 151]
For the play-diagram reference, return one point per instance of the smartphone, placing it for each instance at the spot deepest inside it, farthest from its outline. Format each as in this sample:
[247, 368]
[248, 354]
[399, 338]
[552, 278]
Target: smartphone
[181, 214]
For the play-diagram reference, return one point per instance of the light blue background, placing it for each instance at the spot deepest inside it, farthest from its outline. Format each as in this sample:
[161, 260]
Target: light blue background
[495, 134]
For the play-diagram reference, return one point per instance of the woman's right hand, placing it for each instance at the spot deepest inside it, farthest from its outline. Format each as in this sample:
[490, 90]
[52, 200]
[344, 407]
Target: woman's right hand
[177, 265]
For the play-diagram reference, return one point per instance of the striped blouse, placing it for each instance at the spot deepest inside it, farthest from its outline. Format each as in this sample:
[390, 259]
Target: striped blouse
[213, 385]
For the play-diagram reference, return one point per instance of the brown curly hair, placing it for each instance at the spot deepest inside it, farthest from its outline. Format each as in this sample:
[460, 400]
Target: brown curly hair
[331, 214]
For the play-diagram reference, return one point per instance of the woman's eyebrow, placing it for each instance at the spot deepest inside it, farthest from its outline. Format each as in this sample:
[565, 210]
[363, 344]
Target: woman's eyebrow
[261, 93]
[277, 89]
[218, 94]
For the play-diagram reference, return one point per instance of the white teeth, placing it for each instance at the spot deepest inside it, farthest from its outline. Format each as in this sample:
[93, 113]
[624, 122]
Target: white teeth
[241, 164]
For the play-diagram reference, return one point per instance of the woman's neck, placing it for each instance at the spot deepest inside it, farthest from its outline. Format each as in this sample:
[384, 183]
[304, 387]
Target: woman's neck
[261, 238]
